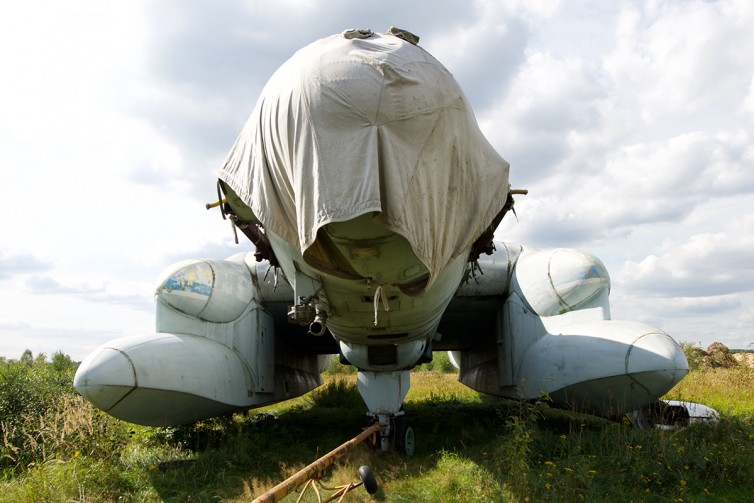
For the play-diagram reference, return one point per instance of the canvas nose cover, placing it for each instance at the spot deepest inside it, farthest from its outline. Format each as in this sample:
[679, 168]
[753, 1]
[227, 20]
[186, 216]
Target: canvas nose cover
[352, 126]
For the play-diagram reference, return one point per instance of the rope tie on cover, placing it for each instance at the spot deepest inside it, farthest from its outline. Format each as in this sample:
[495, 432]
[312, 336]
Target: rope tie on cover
[379, 294]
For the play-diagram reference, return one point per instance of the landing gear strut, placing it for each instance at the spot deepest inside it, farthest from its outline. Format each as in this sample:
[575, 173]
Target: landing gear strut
[383, 393]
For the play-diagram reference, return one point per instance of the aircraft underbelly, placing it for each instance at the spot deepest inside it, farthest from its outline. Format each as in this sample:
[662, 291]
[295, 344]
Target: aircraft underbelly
[382, 301]
[363, 314]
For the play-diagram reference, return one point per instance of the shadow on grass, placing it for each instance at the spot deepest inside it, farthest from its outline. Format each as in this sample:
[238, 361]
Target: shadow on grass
[242, 456]
[479, 449]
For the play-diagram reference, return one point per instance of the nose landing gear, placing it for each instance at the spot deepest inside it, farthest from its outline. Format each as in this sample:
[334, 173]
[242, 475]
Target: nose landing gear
[397, 432]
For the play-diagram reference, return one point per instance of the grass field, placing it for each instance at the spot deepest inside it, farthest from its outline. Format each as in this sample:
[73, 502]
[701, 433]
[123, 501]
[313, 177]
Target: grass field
[469, 448]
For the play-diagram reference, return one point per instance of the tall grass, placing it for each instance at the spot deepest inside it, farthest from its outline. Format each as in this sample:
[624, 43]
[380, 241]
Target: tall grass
[44, 420]
[470, 447]
[53, 445]
[729, 390]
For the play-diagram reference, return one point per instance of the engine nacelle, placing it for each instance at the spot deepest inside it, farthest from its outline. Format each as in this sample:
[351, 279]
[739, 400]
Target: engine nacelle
[603, 367]
[556, 339]
[214, 351]
[164, 379]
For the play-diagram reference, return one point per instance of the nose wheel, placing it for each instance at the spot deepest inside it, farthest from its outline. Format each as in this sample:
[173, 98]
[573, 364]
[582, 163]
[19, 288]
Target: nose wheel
[404, 437]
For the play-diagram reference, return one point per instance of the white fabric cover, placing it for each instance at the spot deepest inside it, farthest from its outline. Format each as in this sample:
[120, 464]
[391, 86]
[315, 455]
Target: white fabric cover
[346, 127]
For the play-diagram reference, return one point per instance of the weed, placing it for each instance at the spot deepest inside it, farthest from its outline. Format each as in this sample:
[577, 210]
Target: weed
[337, 368]
[339, 392]
[471, 447]
[440, 363]
[43, 420]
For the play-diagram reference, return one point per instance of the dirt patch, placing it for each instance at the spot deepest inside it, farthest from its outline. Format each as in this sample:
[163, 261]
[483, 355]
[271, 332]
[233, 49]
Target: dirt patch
[717, 355]
[746, 359]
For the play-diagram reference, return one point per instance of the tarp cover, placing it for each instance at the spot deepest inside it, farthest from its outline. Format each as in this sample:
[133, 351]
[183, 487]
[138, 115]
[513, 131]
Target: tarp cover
[349, 126]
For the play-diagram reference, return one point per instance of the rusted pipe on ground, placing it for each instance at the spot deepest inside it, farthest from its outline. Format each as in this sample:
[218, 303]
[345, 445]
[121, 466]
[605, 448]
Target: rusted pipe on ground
[315, 470]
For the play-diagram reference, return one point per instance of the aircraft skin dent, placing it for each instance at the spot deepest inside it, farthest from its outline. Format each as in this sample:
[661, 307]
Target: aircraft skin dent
[371, 198]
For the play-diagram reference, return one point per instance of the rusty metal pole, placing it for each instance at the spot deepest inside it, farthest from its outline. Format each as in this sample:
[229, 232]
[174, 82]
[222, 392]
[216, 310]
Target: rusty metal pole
[315, 470]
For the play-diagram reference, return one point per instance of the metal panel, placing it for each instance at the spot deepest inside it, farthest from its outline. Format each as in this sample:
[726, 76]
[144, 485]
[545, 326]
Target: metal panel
[265, 339]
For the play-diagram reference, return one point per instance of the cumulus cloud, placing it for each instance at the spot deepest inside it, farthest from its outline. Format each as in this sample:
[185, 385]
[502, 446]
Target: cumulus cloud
[48, 285]
[207, 249]
[577, 137]
[483, 53]
[550, 106]
[210, 62]
[665, 180]
[695, 306]
[13, 325]
[75, 341]
[134, 295]
[677, 58]
[630, 123]
[25, 263]
[705, 264]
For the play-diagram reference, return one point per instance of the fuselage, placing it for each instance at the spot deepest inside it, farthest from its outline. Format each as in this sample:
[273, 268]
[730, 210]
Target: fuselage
[365, 169]
[363, 175]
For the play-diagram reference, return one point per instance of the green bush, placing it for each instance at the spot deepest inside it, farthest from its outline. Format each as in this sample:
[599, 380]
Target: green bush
[339, 392]
[42, 418]
[694, 355]
[337, 368]
[440, 363]
[30, 386]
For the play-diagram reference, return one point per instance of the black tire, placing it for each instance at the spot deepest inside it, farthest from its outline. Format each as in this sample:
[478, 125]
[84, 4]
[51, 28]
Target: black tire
[368, 479]
[641, 419]
[405, 437]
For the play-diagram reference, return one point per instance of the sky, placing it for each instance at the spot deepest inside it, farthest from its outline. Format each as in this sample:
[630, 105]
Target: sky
[629, 122]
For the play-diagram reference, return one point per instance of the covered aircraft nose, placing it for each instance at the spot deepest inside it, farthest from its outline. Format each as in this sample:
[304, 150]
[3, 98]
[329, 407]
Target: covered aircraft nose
[105, 377]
